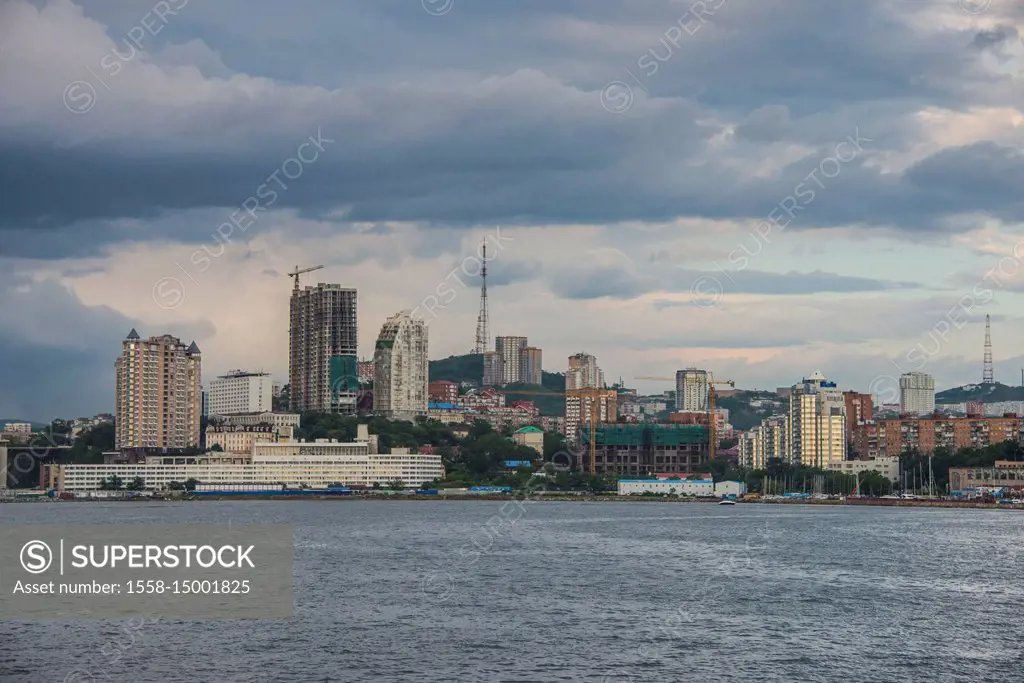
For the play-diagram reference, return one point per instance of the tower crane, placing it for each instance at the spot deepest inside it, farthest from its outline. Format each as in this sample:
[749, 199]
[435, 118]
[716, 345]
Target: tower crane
[299, 271]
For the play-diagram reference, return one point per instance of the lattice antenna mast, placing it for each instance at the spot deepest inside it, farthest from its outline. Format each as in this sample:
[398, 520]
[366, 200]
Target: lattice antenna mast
[483, 334]
[986, 375]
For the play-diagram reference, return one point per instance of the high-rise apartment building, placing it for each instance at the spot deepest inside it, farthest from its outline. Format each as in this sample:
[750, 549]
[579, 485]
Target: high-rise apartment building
[400, 367]
[816, 425]
[765, 442]
[859, 409]
[691, 390]
[578, 406]
[917, 393]
[240, 392]
[159, 396]
[532, 371]
[492, 369]
[583, 373]
[510, 353]
[322, 367]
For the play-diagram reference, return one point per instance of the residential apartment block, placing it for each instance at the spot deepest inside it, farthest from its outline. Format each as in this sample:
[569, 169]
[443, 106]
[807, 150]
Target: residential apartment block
[583, 373]
[583, 405]
[158, 396]
[890, 438]
[917, 393]
[691, 390]
[400, 363]
[510, 355]
[816, 425]
[765, 442]
[532, 366]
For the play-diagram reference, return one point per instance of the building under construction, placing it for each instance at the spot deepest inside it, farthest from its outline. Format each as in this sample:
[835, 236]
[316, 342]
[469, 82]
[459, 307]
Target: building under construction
[647, 449]
[322, 366]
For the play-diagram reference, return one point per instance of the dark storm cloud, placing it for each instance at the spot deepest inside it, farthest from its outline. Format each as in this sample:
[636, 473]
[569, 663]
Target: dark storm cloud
[526, 146]
[58, 354]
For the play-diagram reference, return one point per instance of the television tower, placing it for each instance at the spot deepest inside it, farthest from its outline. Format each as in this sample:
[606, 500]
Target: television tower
[986, 374]
[483, 335]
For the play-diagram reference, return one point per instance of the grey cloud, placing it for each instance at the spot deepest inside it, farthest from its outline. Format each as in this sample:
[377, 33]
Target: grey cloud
[620, 284]
[59, 354]
[531, 145]
[765, 124]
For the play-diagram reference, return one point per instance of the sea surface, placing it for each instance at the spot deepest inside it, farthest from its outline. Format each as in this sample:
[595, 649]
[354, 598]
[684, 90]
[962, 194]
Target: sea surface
[575, 591]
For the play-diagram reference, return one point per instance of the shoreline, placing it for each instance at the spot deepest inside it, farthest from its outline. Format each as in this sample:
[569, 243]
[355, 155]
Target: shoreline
[859, 502]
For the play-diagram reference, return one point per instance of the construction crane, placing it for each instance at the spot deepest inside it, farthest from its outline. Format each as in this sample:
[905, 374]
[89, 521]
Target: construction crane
[299, 271]
[595, 409]
[712, 422]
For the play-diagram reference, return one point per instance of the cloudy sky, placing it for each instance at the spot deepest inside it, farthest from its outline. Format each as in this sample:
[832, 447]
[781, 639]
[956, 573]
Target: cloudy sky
[759, 187]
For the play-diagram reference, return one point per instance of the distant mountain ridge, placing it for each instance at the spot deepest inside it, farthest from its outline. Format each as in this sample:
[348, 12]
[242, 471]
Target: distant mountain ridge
[989, 393]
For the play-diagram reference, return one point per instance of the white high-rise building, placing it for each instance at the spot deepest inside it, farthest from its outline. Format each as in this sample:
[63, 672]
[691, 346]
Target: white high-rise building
[583, 373]
[510, 352]
[400, 368]
[763, 443]
[692, 390]
[816, 425]
[584, 405]
[917, 393]
[240, 392]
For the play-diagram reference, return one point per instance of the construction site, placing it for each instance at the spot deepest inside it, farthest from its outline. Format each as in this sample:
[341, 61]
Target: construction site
[645, 449]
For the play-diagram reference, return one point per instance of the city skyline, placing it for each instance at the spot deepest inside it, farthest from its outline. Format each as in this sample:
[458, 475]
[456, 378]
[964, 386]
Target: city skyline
[913, 139]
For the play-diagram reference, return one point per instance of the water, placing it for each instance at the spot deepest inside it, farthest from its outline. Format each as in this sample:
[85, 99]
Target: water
[568, 591]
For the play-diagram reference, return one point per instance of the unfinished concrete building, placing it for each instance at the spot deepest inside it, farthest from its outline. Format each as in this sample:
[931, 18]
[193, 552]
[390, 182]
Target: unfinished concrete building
[643, 450]
[323, 362]
[401, 368]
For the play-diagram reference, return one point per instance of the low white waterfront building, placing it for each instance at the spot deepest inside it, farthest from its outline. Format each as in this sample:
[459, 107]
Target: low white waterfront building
[887, 467]
[672, 487]
[315, 464]
[732, 489]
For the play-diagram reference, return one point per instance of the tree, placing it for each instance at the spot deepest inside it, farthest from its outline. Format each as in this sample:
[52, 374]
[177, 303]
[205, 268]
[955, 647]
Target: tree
[553, 443]
[115, 483]
[137, 484]
[396, 485]
[216, 448]
[175, 486]
[190, 484]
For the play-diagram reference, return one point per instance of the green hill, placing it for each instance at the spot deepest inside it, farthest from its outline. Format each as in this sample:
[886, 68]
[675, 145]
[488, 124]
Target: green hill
[467, 368]
[548, 402]
[470, 368]
[744, 416]
[989, 393]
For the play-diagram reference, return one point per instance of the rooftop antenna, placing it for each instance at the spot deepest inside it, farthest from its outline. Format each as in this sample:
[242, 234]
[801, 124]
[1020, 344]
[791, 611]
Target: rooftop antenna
[986, 375]
[483, 335]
